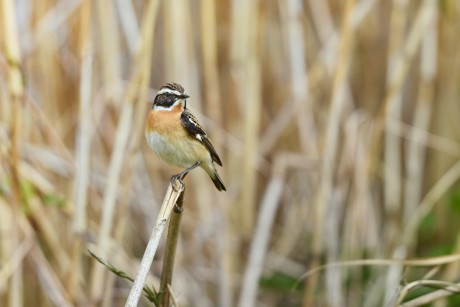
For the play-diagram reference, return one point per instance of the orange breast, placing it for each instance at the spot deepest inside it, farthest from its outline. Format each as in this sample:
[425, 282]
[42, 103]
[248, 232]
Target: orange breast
[171, 141]
[164, 122]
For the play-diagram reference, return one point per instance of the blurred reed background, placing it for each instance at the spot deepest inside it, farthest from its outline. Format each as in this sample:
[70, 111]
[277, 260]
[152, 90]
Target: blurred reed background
[337, 123]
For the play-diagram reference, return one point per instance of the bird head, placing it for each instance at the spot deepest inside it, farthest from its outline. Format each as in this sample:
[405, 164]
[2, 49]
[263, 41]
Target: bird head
[169, 96]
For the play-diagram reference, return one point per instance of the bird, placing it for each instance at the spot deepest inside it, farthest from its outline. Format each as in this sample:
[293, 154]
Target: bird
[175, 135]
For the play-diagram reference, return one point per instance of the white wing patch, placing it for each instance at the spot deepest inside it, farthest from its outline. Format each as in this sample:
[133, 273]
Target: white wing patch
[198, 136]
[194, 122]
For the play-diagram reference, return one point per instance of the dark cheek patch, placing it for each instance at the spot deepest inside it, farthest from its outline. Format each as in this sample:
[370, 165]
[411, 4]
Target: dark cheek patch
[164, 101]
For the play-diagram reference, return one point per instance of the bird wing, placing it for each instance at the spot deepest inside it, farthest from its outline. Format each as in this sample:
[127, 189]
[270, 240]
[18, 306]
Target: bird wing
[192, 126]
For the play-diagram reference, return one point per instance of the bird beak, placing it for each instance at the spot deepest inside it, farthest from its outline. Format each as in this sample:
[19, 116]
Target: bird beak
[183, 96]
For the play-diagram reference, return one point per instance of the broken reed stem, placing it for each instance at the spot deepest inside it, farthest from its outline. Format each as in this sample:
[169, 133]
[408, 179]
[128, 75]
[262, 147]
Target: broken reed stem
[170, 252]
[175, 190]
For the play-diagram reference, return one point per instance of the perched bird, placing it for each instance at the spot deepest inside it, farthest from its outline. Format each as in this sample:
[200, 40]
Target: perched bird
[177, 137]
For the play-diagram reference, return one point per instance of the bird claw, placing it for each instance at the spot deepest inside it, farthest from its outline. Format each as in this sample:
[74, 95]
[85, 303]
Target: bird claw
[174, 181]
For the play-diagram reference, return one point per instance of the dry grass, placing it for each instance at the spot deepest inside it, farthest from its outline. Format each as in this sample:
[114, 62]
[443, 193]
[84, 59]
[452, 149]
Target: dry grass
[337, 122]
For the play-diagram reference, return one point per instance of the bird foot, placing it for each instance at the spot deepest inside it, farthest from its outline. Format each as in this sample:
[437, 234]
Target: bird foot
[175, 179]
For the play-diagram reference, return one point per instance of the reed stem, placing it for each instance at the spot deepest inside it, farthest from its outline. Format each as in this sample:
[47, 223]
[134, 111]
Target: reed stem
[170, 252]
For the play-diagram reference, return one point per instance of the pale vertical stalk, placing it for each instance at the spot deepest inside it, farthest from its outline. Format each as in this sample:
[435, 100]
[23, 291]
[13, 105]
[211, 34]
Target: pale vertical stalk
[170, 252]
[392, 170]
[331, 144]
[13, 285]
[439, 189]
[129, 24]
[246, 71]
[452, 270]
[46, 226]
[392, 147]
[260, 240]
[143, 63]
[446, 105]
[16, 93]
[210, 66]
[109, 203]
[214, 105]
[396, 80]
[83, 146]
[322, 20]
[109, 44]
[297, 104]
[124, 132]
[171, 197]
[45, 58]
[415, 158]
[253, 94]
[361, 229]
[177, 67]
[333, 278]
[84, 124]
[49, 282]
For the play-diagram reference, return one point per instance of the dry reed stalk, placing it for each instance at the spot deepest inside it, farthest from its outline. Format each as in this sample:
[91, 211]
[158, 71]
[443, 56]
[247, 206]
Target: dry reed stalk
[128, 22]
[181, 67]
[172, 195]
[362, 224]
[110, 195]
[281, 36]
[11, 263]
[322, 20]
[11, 273]
[49, 282]
[451, 176]
[451, 287]
[140, 76]
[298, 102]
[299, 76]
[170, 251]
[415, 158]
[392, 147]
[246, 73]
[331, 145]
[434, 141]
[428, 298]
[444, 121]
[177, 46]
[46, 127]
[392, 102]
[422, 262]
[315, 76]
[392, 156]
[211, 84]
[214, 108]
[109, 45]
[83, 145]
[15, 96]
[46, 225]
[262, 230]
[144, 62]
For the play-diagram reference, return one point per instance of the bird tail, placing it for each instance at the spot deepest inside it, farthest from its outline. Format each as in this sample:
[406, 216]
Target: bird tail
[217, 181]
[212, 172]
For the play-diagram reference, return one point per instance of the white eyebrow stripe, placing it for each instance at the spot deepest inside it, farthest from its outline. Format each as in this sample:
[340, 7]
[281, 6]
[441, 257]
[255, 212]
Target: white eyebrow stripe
[170, 91]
